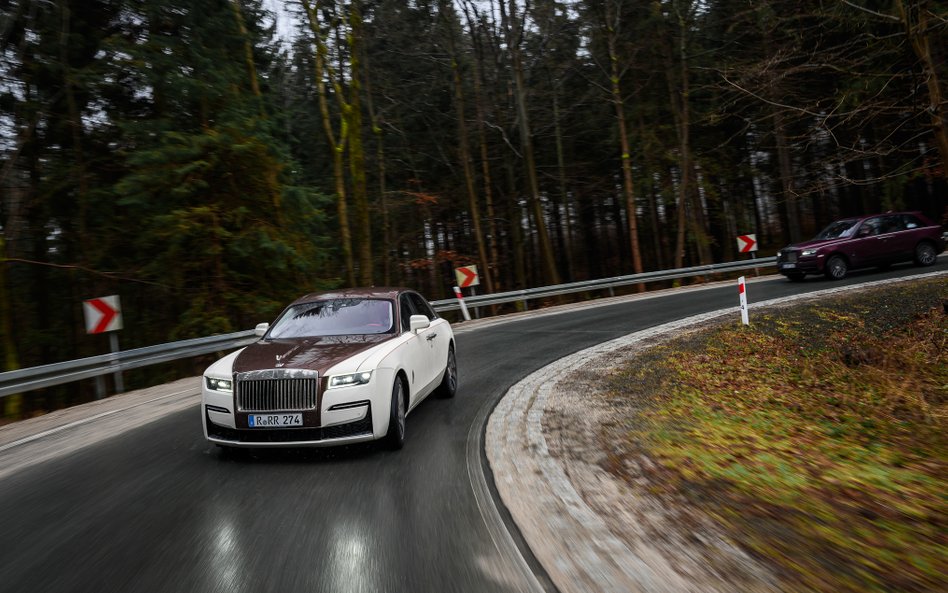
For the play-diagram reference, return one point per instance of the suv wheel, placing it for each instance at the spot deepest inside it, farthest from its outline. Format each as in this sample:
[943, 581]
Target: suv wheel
[925, 254]
[836, 267]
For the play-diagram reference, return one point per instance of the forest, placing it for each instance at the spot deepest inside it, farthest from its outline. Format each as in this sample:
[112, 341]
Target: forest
[209, 167]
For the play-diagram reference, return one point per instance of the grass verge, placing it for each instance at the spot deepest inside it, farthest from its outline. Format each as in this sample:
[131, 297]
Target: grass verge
[815, 437]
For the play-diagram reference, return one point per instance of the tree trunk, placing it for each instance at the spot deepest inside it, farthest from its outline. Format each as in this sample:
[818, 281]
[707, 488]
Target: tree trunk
[786, 178]
[567, 230]
[75, 128]
[915, 18]
[323, 70]
[513, 31]
[356, 153]
[248, 52]
[612, 22]
[465, 151]
[380, 157]
[486, 180]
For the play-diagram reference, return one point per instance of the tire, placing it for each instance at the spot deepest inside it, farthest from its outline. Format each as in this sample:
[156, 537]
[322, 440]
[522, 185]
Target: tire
[395, 437]
[925, 254]
[797, 276]
[449, 382]
[836, 267]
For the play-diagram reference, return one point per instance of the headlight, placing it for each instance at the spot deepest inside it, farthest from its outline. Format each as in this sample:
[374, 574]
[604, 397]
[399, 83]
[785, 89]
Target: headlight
[807, 252]
[779, 253]
[215, 384]
[350, 380]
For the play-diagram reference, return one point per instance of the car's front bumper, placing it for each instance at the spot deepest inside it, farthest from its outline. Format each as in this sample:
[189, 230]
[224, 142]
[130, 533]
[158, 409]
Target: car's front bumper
[346, 415]
[339, 434]
[803, 265]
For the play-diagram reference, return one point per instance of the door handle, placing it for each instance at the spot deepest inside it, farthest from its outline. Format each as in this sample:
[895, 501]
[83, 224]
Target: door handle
[430, 337]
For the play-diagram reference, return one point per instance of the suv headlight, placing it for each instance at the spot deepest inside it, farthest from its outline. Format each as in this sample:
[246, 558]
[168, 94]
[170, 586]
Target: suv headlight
[350, 379]
[215, 384]
[807, 252]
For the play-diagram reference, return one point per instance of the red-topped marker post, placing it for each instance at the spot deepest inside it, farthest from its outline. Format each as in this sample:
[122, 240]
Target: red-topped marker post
[743, 292]
[457, 293]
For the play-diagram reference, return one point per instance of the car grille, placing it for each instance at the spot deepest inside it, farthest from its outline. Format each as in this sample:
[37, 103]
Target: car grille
[276, 390]
[789, 257]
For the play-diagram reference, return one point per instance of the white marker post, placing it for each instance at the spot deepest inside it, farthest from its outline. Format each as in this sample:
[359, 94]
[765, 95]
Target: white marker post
[457, 293]
[743, 291]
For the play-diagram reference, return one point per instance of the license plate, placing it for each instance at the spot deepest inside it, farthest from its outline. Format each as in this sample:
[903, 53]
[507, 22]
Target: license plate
[788, 266]
[274, 420]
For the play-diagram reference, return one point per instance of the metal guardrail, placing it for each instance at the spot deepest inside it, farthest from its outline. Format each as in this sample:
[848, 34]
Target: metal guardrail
[499, 298]
[24, 380]
[58, 373]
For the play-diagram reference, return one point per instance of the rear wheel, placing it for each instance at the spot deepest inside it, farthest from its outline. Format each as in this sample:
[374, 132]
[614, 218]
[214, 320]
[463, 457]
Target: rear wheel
[836, 268]
[449, 382]
[796, 276]
[925, 254]
[396, 420]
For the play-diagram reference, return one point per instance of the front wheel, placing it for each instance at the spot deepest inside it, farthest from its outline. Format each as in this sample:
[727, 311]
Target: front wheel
[925, 254]
[836, 268]
[396, 420]
[449, 382]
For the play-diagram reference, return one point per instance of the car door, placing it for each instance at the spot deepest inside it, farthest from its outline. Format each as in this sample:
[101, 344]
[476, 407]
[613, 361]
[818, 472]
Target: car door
[415, 351]
[867, 249]
[895, 241]
[435, 336]
[905, 235]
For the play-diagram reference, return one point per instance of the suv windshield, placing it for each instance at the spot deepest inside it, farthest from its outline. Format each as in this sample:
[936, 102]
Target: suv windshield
[836, 230]
[336, 317]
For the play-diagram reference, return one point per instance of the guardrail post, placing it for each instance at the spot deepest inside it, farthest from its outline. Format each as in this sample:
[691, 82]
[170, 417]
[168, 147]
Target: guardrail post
[114, 344]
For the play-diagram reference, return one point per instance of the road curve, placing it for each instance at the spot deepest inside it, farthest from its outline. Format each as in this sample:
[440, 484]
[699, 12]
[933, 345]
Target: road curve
[154, 508]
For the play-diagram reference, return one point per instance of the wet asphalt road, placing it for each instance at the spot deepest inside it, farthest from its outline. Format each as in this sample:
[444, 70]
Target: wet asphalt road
[157, 509]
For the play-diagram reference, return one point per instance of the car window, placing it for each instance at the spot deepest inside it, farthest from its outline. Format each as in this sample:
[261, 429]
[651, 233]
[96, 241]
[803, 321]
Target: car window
[870, 227]
[892, 224]
[422, 307]
[911, 221]
[334, 317]
[838, 229]
[406, 311]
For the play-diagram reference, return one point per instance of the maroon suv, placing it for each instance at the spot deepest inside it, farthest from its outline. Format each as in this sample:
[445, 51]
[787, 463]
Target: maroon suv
[862, 242]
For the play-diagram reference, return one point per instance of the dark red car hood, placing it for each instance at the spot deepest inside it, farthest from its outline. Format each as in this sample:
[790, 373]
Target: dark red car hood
[316, 353]
[816, 243]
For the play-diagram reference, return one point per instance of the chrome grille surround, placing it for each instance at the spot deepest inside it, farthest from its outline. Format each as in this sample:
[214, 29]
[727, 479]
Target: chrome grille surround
[276, 390]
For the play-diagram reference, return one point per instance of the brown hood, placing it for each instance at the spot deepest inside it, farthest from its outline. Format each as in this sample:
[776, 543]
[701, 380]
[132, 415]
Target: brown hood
[317, 353]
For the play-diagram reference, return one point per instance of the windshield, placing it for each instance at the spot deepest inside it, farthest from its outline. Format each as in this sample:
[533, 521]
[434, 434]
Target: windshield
[837, 230]
[336, 317]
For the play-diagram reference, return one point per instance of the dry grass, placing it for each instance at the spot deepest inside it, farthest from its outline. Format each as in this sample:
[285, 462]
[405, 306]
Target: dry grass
[815, 437]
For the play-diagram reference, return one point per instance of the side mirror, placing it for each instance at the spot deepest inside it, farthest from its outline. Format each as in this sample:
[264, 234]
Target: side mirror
[261, 329]
[416, 323]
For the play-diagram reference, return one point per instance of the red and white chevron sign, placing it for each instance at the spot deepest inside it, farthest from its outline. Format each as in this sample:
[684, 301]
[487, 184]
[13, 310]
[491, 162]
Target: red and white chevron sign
[747, 243]
[467, 276]
[103, 314]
